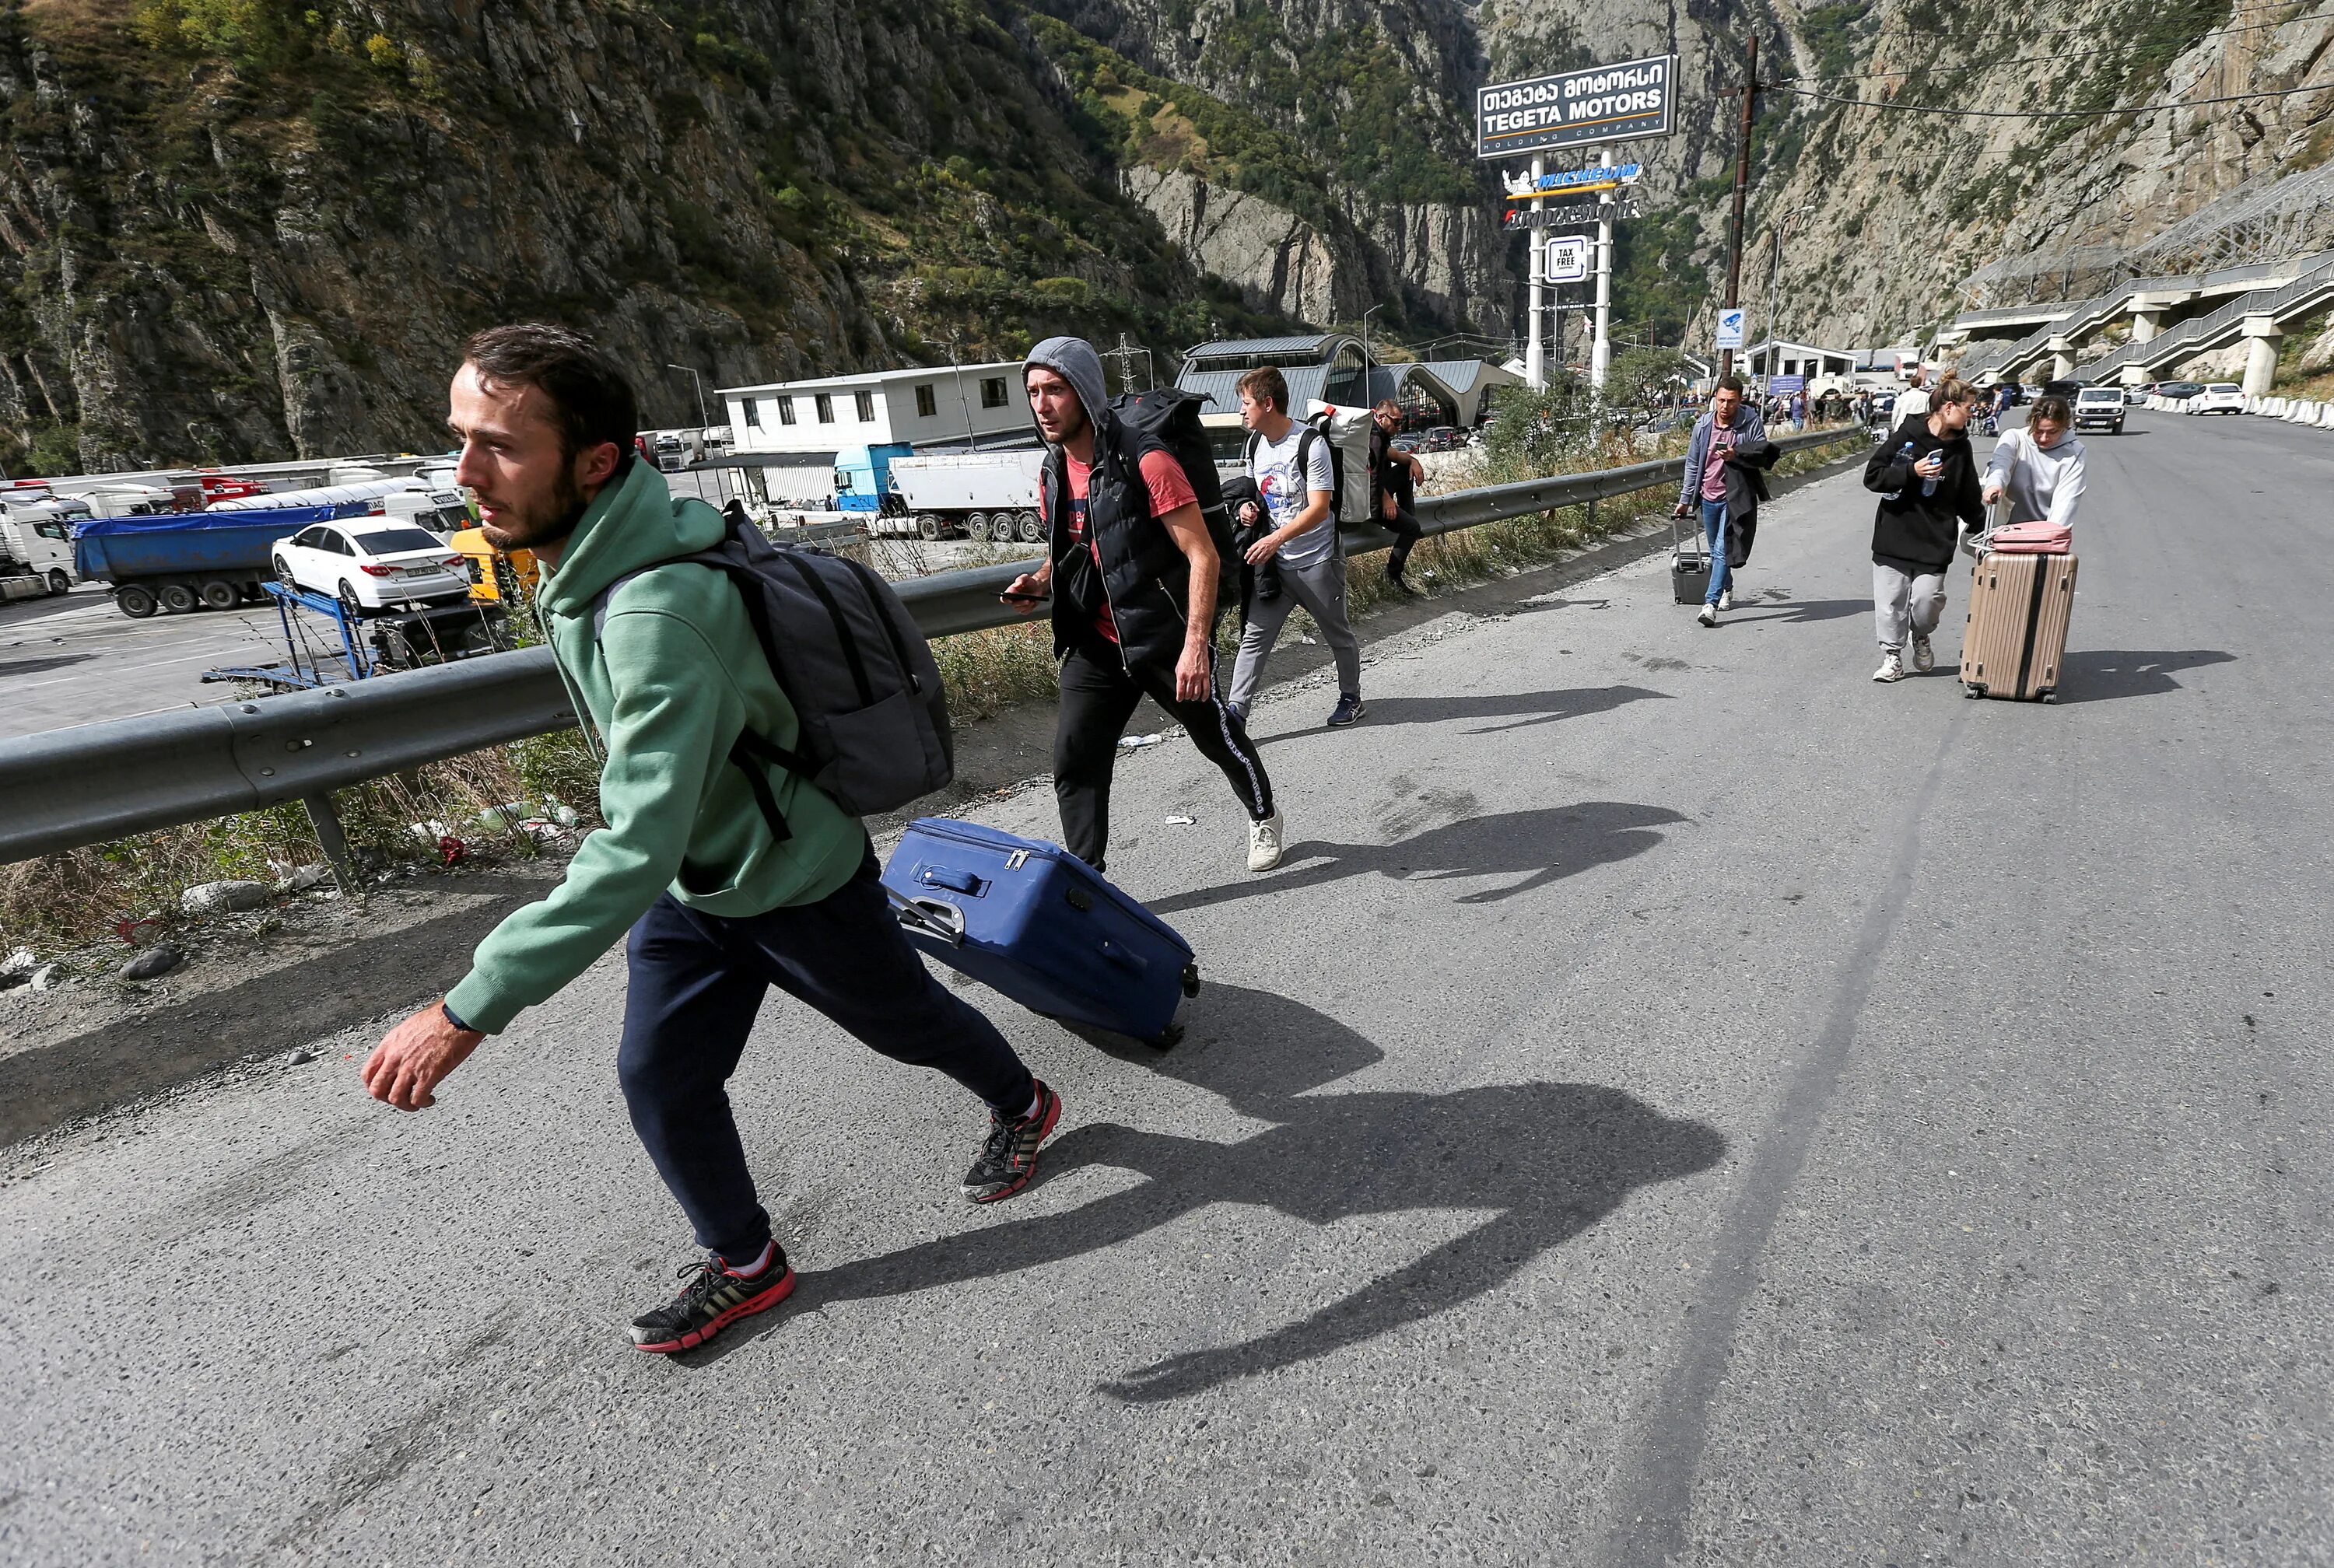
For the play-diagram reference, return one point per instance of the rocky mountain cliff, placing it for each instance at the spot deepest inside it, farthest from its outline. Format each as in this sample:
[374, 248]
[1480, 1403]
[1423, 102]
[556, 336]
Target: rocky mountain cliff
[245, 228]
[1897, 213]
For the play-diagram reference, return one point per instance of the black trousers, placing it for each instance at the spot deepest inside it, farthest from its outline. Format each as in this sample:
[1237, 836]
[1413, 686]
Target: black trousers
[1098, 696]
[1404, 526]
[697, 980]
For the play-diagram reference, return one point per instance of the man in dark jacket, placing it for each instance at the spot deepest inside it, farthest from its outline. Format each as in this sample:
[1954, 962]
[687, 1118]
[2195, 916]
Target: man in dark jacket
[1393, 478]
[1927, 478]
[1132, 573]
[1729, 422]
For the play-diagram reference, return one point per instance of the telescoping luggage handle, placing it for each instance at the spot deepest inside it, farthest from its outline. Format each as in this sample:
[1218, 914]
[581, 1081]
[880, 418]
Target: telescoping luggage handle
[931, 916]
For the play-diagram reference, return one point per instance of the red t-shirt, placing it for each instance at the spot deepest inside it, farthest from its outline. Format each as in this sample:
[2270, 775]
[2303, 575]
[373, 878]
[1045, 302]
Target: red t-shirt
[1170, 492]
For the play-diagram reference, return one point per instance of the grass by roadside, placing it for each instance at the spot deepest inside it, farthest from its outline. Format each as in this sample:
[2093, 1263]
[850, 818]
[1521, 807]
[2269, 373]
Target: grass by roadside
[74, 902]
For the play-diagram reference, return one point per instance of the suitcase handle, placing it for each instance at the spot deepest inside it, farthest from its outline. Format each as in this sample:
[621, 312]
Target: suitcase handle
[933, 918]
[949, 878]
[1121, 956]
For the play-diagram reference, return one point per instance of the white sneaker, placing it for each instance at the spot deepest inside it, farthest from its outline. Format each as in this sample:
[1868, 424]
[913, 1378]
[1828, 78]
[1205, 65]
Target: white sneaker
[1726, 599]
[1925, 657]
[1264, 843]
[1709, 616]
[1892, 667]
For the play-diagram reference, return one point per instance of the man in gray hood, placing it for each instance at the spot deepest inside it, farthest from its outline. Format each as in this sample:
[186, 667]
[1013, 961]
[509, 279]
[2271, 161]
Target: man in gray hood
[1130, 574]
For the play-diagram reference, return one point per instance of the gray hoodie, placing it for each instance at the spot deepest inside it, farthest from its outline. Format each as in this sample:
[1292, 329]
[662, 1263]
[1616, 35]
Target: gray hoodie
[1076, 361]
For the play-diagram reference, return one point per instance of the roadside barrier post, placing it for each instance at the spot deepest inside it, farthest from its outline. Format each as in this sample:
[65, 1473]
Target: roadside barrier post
[326, 820]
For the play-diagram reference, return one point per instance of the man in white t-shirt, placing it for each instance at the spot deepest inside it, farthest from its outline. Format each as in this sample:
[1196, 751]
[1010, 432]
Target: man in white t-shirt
[1914, 400]
[1291, 465]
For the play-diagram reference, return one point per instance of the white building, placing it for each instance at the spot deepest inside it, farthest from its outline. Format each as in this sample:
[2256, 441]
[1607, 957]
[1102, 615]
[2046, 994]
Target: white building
[927, 409]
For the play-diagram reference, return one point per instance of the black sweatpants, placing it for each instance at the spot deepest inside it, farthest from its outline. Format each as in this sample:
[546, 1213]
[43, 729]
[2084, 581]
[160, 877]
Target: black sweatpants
[1404, 526]
[697, 980]
[1098, 696]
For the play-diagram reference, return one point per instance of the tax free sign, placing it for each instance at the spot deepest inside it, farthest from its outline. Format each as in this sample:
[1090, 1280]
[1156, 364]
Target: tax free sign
[1577, 108]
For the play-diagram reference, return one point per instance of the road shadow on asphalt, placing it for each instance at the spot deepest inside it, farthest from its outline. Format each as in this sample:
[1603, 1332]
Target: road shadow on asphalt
[1765, 612]
[2104, 674]
[1526, 708]
[1549, 1160]
[1534, 847]
[34, 666]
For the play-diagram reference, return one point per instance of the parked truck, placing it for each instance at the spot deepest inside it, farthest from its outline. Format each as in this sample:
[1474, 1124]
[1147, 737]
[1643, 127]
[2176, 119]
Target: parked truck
[180, 562]
[442, 510]
[984, 495]
[35, 540]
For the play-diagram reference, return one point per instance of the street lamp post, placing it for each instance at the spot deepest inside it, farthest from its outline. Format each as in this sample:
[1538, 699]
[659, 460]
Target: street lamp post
[704, 422]
[703, 419]
[1369, 360]
[1775, 289]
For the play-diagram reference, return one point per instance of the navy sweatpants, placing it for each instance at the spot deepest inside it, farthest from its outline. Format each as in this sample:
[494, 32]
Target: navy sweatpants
[697, 982]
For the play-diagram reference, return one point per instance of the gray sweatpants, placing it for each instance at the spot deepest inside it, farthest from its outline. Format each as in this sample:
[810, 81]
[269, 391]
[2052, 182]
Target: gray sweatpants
[1899, 600]
[1320, 588]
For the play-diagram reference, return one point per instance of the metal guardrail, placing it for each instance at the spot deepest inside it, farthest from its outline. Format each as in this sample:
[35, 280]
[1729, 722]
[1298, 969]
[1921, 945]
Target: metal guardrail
[94, 783]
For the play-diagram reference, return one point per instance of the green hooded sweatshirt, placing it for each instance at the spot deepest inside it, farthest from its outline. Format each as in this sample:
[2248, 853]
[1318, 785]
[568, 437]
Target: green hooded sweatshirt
[669, 682]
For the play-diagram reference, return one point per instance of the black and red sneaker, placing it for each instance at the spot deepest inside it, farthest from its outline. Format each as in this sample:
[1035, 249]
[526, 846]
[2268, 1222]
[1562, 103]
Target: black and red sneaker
[1008, 1154]
[712, 1300]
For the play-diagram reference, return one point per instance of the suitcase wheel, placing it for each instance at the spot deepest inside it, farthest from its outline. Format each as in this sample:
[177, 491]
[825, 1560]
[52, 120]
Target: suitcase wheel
[1973, 691]
[2050, 697]
[1168, 1038]
[1191, 979]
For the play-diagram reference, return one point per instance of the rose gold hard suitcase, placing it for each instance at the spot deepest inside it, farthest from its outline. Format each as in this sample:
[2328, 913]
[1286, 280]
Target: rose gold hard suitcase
[2016, 638]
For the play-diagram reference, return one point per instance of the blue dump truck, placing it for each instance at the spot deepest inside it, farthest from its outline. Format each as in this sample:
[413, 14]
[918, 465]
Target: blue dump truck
[185, 561]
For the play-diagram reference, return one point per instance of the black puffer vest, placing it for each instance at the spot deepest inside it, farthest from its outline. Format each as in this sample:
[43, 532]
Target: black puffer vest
[1145, 578]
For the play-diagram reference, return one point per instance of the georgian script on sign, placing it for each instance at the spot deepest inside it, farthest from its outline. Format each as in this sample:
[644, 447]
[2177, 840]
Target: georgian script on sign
[1606, 103]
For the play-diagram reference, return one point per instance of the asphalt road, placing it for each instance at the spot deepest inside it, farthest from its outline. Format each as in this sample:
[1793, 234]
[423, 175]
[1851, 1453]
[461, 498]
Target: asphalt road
[1680, 1103]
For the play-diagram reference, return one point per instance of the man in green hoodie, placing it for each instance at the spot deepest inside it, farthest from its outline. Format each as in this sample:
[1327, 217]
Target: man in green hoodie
[718, 907]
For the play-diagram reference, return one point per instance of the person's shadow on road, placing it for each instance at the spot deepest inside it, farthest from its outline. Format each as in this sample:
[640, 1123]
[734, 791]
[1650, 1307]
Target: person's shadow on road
[1537, 847]
[1765, 611]
[1548, 1160]
[1524, 708]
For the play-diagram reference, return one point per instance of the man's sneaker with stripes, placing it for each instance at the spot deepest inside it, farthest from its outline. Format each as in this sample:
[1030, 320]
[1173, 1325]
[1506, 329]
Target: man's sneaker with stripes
[712, 1300]
[1008, 1154]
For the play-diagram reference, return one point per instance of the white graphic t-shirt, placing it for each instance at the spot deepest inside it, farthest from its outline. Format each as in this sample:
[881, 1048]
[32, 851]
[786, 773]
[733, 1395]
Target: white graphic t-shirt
[1287, 493]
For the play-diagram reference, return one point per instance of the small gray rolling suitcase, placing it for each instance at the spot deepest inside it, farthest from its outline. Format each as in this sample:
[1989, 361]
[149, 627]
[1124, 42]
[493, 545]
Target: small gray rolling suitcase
[1689, 569]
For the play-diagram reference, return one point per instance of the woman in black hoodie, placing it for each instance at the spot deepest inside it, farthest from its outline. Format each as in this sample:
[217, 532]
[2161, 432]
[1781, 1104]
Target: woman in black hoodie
[1927, 478]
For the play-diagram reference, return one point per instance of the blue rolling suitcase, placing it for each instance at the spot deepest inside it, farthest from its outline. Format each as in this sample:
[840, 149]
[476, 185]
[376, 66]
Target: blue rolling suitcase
[1033, 922]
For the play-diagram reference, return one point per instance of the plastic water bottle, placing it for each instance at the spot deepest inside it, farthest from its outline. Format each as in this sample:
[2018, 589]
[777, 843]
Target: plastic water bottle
[1904, 452]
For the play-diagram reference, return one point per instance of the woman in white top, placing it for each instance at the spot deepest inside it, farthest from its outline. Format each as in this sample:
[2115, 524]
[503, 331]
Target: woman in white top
[2040, 467]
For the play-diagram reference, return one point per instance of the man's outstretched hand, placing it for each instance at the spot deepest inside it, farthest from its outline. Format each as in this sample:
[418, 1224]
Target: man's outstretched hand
[415, 1057]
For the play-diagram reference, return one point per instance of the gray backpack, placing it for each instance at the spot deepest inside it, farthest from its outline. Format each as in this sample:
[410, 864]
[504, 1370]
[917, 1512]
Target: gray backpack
[866, 692]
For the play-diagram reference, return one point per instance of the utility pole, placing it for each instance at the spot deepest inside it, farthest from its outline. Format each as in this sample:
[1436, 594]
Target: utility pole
[1741, 186]
[1600, 346]
[1535, 362]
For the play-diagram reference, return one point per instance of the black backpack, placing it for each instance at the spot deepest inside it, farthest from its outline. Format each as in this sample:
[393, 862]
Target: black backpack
[1171, 417]
[870, 711]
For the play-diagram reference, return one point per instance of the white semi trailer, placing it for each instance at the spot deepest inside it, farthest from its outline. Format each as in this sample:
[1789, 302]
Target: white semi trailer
[985, 496]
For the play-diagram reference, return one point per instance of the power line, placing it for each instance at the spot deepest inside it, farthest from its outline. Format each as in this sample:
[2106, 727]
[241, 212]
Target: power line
[2091, 31]
[2026, 59]
[2046, 113]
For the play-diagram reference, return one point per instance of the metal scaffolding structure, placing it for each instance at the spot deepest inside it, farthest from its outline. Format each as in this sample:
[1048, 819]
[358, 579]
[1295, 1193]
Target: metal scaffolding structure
[2274, 218]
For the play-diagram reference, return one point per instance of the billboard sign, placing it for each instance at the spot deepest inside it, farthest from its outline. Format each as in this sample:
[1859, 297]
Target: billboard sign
[1579, 215]
[1568, 259]
[1572, 181]
[1729, 328]
[1784, 386]
[1603, 103]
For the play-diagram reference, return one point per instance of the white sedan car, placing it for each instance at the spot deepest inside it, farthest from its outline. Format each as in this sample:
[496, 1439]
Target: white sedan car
[2218, 398]
[368, 563]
